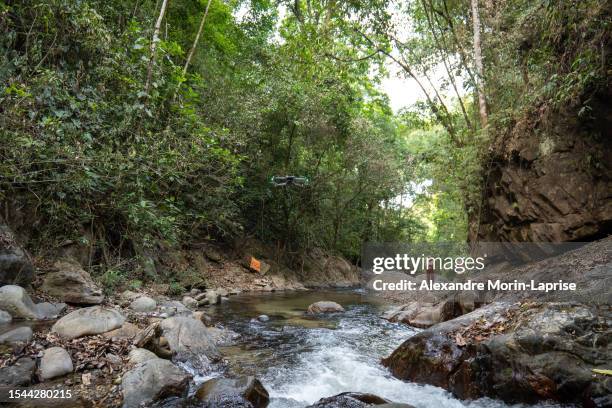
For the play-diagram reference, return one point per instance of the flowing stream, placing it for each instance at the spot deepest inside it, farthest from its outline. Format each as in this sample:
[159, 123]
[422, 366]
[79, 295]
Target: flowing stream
[301, 359]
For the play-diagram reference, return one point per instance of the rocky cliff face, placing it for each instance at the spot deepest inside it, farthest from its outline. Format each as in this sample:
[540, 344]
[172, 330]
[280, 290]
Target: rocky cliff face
[550, 179]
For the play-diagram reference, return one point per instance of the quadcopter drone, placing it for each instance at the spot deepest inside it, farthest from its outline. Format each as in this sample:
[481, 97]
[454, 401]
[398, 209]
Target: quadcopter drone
[287, 181]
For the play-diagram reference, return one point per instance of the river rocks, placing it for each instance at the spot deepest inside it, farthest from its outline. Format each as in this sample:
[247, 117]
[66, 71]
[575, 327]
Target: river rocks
[87, 321]
[203, 317]
[324, 306]
[72, 284]
[239, 392]
[18, 335]
[15, 266]
[55, 362]
[356, 400]
[189, 340]
[173, 307]
[152, 380]
[522, 353]
[5, 317]
[127, 331]
[423, 315]
[209, 297]
[48, 310]
[20, 374]
[189, 302]
[140, 355]
[15, 300]
[143, 304]
[263, 318]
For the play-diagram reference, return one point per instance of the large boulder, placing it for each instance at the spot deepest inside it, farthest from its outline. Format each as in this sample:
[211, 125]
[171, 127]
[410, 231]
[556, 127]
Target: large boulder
[55, 362]
[247, 392]
[324, 306]
[48, 310]
[519, 353]
[88, 321]
[189, 340]
[356, 400]
[140, 355]
[19, 335]
[143, 304]
[152, 380]
[16, 301]
[423, 315]
[15, 266]
[20, 374]
[70, 283]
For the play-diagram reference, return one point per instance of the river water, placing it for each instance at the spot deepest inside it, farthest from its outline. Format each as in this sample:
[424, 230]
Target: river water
[301, 359]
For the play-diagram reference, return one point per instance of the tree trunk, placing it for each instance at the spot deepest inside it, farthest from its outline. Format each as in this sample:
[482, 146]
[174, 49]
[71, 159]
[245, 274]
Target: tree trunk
[482, 102]
[197, 38]
[154, 42]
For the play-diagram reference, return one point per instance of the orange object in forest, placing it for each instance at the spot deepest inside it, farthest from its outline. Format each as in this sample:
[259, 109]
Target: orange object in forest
[255, 265]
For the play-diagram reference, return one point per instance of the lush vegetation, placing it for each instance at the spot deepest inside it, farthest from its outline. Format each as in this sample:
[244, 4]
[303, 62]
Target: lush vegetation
[110, 134]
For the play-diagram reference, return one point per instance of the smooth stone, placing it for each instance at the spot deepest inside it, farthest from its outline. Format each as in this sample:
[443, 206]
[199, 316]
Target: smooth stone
[87, 321]
[16, 301]
[153, 380]
[19, 374]
[173, 307]
[263, 318]
[190, 302]
[127, 331]
[5, 317]
[47, 311]
[324, 306]
[72, 284]
[230, 392]
[143, 304]
[189, 341]
[140, 355]
[55, 362]
[19, 335]
[356, 400]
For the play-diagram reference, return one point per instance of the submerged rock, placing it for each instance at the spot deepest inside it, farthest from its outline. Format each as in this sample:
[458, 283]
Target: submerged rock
[233, 392]
[518, 354]
[55, 362]
[87, 321]
[356, 400]
[324, 306]
[153, 380]
[16, 301]
[18, 335]
[72, 284]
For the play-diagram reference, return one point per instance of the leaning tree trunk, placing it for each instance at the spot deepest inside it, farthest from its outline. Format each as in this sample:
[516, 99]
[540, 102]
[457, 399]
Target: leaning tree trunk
[197, 38]
[482, 101]
[154, 42]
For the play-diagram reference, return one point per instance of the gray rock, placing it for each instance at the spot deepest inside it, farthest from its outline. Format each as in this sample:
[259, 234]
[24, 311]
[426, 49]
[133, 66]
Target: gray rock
[324, 306]
[55, 362]
[211, 297]
[153, 380]
[233, 392]
[16, 301]
[356, 400]
[189, 340]
[174, 307]
[140, 355]
[128, 296]
[190, 302]
[423, 314]
[19, 374]
[72, 284]
[18, 335]
[5, 317]
[143, 304]
[87, 321]
[15, 266]
[263, 318]
[48, 310]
